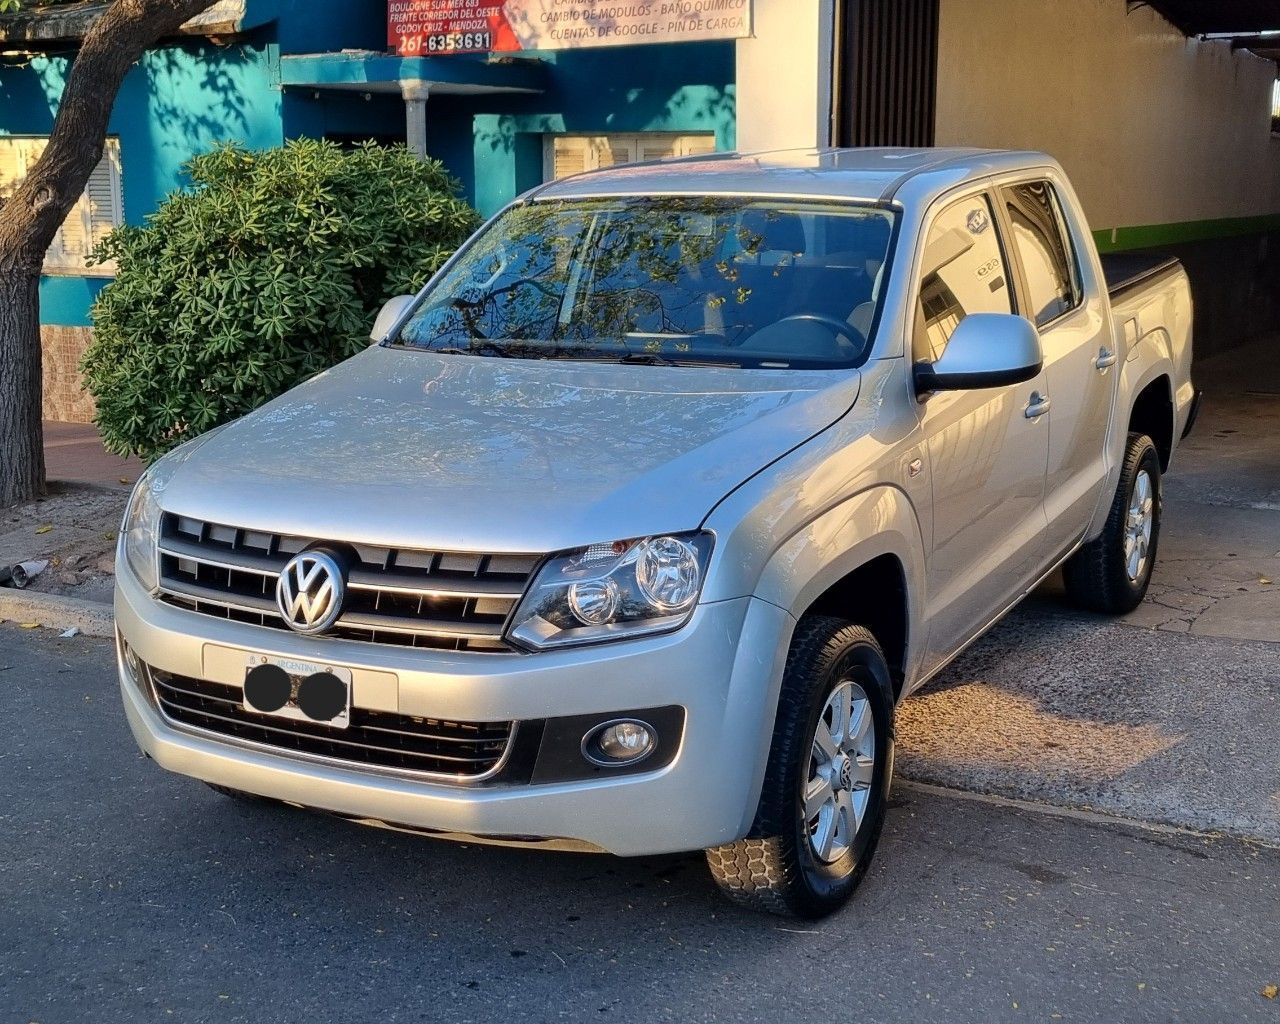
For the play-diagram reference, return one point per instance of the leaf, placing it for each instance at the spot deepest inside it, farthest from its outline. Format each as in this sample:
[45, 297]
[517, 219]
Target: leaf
[1270, 991]
[29, 625]
[46, 528]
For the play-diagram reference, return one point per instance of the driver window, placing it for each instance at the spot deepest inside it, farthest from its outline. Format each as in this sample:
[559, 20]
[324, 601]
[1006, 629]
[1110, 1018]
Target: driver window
[963, 272]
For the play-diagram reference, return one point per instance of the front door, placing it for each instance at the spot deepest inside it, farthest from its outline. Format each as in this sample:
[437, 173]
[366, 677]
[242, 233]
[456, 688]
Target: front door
[987, 448]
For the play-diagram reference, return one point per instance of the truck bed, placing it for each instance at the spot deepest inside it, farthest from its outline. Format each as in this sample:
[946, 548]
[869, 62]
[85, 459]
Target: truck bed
[1126, 270]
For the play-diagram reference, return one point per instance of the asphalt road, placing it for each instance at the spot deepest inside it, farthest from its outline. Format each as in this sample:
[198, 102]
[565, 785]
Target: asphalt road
[132, 895]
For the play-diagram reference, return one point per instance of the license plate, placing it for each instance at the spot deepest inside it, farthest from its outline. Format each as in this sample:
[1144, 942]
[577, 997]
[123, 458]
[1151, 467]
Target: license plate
[302, 691]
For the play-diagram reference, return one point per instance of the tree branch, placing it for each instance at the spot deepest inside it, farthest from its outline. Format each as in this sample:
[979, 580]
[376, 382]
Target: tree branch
[51, 188]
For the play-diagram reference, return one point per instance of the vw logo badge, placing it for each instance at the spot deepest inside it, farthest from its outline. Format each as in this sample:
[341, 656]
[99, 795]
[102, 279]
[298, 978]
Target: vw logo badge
[309, 594]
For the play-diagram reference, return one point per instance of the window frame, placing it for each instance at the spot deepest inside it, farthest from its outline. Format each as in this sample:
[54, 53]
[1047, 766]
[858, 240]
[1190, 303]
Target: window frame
[1070, 235]
[987, 190]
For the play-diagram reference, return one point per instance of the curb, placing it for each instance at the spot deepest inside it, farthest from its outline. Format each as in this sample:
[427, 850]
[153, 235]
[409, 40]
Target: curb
[92, 618]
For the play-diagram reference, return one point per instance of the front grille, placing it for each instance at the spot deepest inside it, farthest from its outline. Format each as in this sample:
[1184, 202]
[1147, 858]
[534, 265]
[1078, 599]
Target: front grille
[434, 599]
[466, 751]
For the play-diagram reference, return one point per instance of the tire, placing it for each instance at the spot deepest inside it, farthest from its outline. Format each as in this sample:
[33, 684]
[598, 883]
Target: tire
[1101, 576]
[777, 868]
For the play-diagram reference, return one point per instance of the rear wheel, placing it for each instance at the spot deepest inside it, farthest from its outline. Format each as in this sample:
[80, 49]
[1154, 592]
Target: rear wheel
[1111, 574]
[827, 781]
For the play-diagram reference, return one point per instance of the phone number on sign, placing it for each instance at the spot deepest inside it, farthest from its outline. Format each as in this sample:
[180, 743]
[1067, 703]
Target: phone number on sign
[446, 42]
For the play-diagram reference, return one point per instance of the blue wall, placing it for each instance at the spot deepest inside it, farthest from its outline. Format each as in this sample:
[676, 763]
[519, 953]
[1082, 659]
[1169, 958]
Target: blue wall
[176, 103]
[182, 100]
[678, 87]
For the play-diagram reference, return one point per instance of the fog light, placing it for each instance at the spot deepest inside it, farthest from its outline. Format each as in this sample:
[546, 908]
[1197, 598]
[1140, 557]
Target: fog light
[619, 743]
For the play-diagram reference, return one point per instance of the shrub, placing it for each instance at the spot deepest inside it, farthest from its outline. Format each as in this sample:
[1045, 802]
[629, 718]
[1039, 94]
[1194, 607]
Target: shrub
[271, 268]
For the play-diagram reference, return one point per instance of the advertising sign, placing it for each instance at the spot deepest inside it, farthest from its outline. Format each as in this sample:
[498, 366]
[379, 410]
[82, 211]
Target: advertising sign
[427, 28]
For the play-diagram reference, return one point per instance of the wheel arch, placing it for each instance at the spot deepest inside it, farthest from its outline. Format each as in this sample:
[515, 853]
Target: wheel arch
[1153, 413]
[862, 561]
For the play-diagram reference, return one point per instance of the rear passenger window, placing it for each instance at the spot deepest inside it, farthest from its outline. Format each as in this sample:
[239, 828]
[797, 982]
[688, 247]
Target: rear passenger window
[1044, 247]
[963, 273]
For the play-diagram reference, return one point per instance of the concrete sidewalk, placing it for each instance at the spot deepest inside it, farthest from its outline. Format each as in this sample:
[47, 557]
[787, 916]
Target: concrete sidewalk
[73, 453]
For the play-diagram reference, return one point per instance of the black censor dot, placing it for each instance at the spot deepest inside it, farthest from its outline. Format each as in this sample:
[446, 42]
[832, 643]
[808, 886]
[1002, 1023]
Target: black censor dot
[267, 687]
[322, 696]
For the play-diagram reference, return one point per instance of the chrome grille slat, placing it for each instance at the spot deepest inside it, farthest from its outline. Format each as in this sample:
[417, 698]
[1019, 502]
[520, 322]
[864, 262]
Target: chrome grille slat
[243, 562]
[431, 586]
[466, 751]
[243, 602]
[430, 599]
[424, 627]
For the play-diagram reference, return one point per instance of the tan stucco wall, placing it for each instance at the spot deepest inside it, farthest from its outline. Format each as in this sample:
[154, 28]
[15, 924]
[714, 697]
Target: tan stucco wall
[65, 398]
[1152, 127]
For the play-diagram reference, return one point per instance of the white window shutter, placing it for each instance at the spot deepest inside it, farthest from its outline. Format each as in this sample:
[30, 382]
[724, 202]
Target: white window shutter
[657, 147]
[102, 203]
[96, 213]
[570, 155]
[573, 154]
[697, 145]
[612, 150]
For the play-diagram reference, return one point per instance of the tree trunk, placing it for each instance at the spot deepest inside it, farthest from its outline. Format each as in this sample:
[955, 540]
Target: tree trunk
[33, 214]
[21, 426]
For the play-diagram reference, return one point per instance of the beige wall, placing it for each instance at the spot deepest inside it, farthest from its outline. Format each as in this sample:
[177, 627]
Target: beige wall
[1152, 127]
[784, 76]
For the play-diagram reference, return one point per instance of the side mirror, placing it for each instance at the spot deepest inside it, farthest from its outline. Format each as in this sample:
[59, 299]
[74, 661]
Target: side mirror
[986, 350]
[388, 317]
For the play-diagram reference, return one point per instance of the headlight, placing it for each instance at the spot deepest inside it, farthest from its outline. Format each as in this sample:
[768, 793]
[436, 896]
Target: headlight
[613, 591]
[140, 533]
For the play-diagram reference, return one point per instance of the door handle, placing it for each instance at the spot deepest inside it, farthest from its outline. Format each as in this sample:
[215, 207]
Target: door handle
[1105, 358]
[1038, 406]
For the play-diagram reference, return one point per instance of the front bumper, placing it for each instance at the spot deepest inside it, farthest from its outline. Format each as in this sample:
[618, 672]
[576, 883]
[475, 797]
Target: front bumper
[723, 668]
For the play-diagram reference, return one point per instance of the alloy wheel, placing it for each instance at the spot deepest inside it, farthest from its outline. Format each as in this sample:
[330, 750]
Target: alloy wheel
[842, 763]
[1138, 526]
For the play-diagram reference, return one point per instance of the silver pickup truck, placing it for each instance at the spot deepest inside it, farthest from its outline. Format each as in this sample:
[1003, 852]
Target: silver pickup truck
[630, 531]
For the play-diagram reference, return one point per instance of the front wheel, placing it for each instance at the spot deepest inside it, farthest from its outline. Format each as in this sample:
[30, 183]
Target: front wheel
[827, 781]
[1111, 573]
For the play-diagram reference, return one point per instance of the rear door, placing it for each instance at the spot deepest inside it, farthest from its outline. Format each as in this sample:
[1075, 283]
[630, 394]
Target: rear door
[986, 447]
[1079, 353]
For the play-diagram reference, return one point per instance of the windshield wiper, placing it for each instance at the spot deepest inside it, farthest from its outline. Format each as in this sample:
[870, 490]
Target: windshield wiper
[647, 359]
[483, 348]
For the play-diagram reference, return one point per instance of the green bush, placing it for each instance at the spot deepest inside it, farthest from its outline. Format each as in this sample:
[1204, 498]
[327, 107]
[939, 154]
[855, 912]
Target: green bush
[272, 267]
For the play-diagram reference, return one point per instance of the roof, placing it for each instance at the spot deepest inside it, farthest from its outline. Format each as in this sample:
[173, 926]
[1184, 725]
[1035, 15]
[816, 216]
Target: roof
[871, 175]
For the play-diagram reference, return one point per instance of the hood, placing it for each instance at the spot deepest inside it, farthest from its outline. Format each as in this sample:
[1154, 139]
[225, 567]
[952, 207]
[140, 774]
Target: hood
[466, 453]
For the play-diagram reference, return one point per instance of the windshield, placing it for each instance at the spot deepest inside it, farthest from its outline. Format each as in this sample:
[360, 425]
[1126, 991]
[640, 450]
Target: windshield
[706, 280]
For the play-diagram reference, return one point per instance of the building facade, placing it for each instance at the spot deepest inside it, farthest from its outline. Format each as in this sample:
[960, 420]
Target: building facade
[1167, 135]
[262, 71]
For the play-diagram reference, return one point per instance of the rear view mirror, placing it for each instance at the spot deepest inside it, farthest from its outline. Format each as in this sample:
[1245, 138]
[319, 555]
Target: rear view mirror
[986, 350]
[388, 317]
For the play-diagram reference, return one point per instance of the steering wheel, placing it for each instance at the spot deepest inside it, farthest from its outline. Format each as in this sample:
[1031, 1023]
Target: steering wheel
[840, 327]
